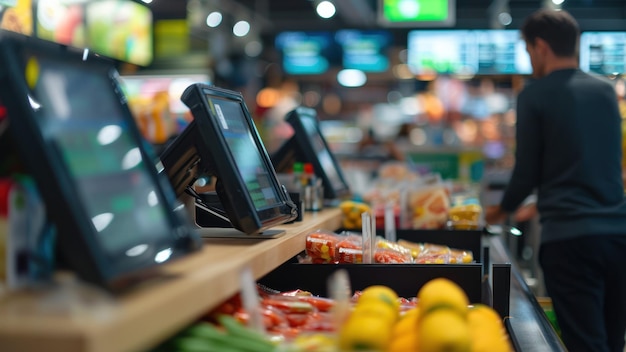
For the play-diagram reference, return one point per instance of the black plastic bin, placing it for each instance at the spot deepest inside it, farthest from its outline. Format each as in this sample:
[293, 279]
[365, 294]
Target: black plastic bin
[405, 279]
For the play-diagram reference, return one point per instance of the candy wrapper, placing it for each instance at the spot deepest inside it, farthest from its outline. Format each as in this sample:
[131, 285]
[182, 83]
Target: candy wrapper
[350, 251]
[321, 246]
[428, 253]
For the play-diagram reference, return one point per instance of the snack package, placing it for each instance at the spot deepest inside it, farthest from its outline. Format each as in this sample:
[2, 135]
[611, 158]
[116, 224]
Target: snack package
[465, 213]
[415, 248]
[460, 256]
[382, 243]
[350, 255]
[352, 211]
[350, 248]
[321, 246]
[433, 254]
[390, 256]
[428, 207]
[350, 251]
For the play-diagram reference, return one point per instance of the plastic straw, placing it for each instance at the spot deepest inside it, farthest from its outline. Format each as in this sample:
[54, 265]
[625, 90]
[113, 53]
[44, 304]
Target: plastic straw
[339, 290]
[372, 237]
[367, 237]
[390, 223]
[250, 300]
[404, 209]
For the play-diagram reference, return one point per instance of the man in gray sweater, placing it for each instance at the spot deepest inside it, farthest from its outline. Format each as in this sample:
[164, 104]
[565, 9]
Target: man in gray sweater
[568, 149]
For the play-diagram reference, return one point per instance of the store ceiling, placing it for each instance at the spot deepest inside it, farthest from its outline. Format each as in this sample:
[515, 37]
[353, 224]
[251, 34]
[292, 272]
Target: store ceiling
[279, 15]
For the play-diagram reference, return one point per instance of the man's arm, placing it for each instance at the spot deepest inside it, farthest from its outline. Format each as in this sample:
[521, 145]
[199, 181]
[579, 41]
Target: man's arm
[527, 170]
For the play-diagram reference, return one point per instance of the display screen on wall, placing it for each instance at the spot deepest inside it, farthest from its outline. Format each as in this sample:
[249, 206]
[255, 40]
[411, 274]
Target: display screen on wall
[417, 13]
[125, 33]
[364, 50]
[17, 16]
[445, 51]
[306, 53]
[467, 52]
[61, 22]
[502, 52]
[603, 52]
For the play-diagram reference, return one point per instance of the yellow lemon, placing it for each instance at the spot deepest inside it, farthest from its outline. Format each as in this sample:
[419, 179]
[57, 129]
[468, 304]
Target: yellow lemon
[381, 293]
[443, 330]
[378, 309]
[407, 324]
[404, 343]
[367, 333]
[442, 292]
[485, 316]
[487, 330]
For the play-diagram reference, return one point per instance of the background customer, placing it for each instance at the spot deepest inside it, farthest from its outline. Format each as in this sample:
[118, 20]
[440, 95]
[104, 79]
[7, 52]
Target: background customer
[568, 149]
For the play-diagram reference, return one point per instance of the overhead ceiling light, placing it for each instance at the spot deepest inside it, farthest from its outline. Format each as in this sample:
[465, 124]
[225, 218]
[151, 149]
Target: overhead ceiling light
[241, 28]
[505, 18]
[558, 2]
[325, 9]
[253, 48]
[214, 19]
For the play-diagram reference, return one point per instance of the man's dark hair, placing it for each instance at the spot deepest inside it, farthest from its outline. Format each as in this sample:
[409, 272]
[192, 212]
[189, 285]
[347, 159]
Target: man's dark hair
[558, 28]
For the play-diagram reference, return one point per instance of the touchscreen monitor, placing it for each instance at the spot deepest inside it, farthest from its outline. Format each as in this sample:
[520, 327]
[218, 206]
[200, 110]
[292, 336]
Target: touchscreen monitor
[222, 141]
[309, 145]
[76, 135]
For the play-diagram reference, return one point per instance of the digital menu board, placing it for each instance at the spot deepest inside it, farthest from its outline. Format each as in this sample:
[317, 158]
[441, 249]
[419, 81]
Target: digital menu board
[502, 52]
[305, 53]
[61, 22]
[467, 52]
[364, 50]
[125, 33]
[442, 51]
[603, 52]
[17, 16]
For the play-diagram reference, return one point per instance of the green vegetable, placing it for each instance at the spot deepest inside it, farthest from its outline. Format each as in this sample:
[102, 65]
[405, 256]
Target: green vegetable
[251, 343]
[192, 344]
[238, 330]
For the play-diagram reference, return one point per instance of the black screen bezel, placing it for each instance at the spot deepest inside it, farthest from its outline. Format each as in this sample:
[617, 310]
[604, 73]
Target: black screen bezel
[77, 239]
[300, 148]
[217, 158]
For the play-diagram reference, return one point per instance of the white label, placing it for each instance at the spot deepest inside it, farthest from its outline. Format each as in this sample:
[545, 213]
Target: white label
[220, 115]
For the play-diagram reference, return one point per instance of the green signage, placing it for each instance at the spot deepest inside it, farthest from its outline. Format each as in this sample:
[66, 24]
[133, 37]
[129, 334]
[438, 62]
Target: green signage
[415, 11]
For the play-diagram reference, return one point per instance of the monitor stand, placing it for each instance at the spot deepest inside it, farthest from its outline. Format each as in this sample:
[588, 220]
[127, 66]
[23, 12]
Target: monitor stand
[222, 230]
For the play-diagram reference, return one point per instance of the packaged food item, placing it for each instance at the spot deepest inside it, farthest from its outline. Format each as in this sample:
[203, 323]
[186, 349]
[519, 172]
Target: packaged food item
[396, 246]
[351, 251]
[415, 248]
[460, 256]
[352, 211]
[433, 254]
[350, 248]
[350, 255]
[428, 207]
[389, 256]
[321, 246]
[465, 214]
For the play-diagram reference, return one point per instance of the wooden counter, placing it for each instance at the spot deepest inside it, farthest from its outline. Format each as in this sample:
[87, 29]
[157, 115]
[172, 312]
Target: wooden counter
[75, 318]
